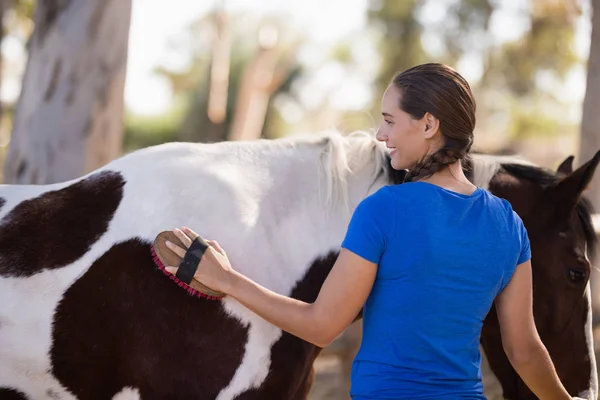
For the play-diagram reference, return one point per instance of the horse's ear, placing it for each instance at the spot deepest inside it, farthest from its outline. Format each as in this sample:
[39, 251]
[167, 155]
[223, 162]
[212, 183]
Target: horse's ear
[570, 188]
[566, 167]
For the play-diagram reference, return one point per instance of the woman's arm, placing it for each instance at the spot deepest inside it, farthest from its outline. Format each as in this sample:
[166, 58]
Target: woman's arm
[520, 338]
[340, 299]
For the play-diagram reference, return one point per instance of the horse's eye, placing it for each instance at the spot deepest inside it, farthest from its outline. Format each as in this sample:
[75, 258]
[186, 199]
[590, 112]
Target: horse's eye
[577, 276]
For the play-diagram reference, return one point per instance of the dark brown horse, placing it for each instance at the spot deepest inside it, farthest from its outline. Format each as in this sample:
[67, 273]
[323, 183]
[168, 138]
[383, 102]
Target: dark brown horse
[562, 240]
[85, 314]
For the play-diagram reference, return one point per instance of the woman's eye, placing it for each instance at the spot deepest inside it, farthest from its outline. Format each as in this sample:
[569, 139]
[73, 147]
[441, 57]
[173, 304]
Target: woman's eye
[388, 122]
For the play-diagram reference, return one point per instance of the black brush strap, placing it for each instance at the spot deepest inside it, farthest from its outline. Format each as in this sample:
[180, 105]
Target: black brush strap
[190, 261]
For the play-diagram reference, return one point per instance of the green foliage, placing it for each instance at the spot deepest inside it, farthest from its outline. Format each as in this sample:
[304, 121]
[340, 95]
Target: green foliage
[401, 32]
[17, 18]
[465, 29]
[342, 53]
[534, 123]
[508, 69]
[547, 46]
[193, 85]
[399, 41]
[23, 8]
[143, 131]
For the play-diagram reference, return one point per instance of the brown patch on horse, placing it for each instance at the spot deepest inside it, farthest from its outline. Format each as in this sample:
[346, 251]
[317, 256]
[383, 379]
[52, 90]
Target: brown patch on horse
[125, 324]
[11, 394]
[558, 222]
[291, 373]
[57, 227]
[505, 184]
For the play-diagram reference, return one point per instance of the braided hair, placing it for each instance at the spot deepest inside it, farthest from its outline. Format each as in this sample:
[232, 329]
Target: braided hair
[445, 94]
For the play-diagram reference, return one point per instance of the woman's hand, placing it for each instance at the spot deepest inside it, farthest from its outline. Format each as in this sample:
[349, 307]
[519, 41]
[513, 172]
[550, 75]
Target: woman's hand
[214, 269]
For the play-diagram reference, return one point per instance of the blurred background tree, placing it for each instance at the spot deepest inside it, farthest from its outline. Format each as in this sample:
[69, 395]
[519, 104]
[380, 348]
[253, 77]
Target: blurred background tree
[250, 73]
[590, 118]
[516, 80]
[520, 79]
[69, 117]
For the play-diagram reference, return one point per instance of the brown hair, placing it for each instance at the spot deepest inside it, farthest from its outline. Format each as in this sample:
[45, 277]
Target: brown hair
[445, 94]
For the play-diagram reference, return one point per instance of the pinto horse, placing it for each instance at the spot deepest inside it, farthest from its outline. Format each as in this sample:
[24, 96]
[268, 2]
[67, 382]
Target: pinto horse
[85, 313]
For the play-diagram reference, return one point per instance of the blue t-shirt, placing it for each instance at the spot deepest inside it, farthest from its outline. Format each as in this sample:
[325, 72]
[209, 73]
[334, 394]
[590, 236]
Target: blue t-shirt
[442, 258]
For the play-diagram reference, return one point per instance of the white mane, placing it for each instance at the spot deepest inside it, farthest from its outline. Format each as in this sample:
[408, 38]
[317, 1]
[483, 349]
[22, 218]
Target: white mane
[486, 166]
[343, 155]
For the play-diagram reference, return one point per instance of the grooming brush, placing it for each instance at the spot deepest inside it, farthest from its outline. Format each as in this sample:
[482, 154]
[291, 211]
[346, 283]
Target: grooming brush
[184, 277]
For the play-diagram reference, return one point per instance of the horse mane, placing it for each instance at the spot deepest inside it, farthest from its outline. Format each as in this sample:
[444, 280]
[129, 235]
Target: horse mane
[483, 167]
[343, 155]
[542, 176]
[545, 178]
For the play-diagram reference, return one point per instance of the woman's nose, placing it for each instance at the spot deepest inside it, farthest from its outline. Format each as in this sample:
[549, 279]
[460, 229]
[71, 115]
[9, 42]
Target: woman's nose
[380, 136]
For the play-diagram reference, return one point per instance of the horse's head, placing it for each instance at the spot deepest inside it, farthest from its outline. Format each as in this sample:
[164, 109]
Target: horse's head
[558, 220]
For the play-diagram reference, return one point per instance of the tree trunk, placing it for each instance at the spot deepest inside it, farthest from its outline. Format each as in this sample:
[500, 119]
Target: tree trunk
[261, 78]
[69, 118]
[4, 6]
[590, 131]
[219, 69]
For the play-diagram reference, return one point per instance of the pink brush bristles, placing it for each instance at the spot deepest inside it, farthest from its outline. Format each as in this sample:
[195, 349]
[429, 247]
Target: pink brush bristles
[180, 283]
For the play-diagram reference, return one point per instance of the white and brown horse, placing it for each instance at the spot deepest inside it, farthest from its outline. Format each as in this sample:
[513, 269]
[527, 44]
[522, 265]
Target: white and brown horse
[85, 314]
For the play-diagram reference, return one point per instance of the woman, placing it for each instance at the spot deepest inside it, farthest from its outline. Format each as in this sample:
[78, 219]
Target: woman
[426, 259]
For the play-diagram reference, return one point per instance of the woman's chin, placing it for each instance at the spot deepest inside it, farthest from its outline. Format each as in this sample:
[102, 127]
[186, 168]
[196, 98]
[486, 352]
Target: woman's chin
[398, 165]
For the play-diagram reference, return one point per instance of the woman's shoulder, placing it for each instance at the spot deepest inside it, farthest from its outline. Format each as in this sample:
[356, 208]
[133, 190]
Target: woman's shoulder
[382, 201]
[504, 212]
[499, 202]
[397, 195]
[376, 199]
[391, 193]
[401, 191]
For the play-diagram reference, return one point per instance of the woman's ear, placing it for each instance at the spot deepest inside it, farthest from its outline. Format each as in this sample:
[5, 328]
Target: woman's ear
[432, 125]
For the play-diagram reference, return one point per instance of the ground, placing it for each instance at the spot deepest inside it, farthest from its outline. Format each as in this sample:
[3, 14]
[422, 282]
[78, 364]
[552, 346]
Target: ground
[328, 380]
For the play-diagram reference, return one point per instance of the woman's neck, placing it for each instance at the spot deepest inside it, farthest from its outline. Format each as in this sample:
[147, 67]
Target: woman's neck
[452, 178]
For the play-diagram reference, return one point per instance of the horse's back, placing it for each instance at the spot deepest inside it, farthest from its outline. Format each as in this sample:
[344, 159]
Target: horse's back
[101, 318]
